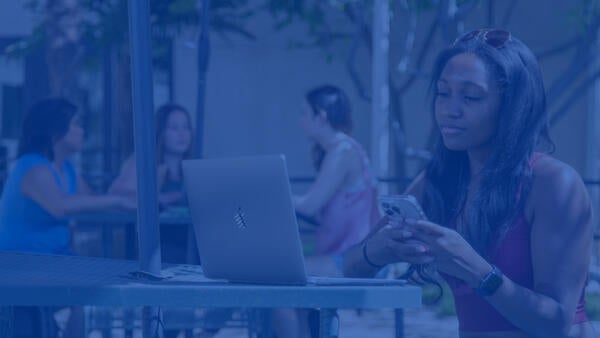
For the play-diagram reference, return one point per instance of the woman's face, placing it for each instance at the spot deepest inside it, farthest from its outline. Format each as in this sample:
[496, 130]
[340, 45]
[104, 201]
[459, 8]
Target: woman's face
[466, 104]
[72, 141]
[311, 123]
[178, 133]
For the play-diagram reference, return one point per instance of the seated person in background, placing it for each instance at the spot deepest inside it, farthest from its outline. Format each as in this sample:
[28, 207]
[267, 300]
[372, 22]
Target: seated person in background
[43, 188]
[41, 191]
[343, 199]
[173, 144]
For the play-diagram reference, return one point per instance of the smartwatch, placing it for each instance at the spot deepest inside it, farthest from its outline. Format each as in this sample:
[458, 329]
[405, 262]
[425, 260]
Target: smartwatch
[490, 283]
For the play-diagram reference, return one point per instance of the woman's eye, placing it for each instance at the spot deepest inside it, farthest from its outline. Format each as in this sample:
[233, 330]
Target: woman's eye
[441, 94]
[472, 98]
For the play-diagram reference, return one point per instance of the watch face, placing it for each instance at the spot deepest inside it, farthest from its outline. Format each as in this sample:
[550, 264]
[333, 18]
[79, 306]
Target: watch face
[490, 283]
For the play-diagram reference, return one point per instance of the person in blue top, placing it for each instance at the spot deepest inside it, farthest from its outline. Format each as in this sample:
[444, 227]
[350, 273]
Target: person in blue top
[43, 189]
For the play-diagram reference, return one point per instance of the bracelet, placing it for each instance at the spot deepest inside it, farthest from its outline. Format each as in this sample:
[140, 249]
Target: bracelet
[366, 258]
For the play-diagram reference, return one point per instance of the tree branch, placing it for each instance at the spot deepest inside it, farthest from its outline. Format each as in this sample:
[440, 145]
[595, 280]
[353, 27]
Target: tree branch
[363, 27]
[491, 14]
[352, 70]
[575, 94]
[362, 32]
[465, 9]
[580, 61]
[420, 58]
[409, 42]
[561, 48]
[509, 12]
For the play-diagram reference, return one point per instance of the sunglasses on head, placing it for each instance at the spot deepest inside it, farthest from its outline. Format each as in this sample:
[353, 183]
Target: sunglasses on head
[494, 37]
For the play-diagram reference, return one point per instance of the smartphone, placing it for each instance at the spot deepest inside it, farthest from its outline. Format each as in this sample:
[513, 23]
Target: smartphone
[400, 207]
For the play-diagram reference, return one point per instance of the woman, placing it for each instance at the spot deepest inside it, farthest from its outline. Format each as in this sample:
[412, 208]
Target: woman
[42, 191]
[43, 188]
[173, 145]
[509, 229]
[343, 198]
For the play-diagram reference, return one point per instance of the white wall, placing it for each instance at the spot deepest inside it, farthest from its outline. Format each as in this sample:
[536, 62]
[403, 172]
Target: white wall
[255, 94]
[15, 20]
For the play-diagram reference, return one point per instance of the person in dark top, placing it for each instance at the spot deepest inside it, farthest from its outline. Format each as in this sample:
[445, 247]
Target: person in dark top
[173, 144]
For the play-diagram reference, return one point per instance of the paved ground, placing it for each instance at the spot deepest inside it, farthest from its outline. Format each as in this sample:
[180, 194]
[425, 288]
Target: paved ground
[419, 323]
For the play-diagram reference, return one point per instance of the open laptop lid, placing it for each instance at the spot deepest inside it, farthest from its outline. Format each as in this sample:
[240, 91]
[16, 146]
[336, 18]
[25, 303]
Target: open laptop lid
[244, 220]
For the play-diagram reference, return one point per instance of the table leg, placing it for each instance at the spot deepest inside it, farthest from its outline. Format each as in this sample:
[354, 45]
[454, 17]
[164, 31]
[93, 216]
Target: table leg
[6, 321]
[399, 318]
[329, 323]
[107, 237]
[259, 323]
[131, 241]
[191, 250]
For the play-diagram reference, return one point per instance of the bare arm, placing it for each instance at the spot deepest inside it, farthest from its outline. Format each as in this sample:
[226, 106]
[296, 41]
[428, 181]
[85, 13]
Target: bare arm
[333, 171]
[39, 185]
[561, 239]
[561, 242]
[384, 244]
[82, 186]
[126, 182]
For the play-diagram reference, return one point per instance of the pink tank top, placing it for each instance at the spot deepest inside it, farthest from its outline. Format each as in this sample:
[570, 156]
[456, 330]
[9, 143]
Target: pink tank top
[513, 257]
[347, 217]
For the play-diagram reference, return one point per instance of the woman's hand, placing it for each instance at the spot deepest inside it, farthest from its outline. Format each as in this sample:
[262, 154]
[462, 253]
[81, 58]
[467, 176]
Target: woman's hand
[453, 255]
[395, 243]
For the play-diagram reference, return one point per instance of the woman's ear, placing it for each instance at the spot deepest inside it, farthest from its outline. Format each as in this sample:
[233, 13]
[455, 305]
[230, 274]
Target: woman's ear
[322, 116]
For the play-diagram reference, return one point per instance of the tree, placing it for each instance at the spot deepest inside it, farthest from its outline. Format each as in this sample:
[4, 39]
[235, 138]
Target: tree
[78, 36]
[443, 20]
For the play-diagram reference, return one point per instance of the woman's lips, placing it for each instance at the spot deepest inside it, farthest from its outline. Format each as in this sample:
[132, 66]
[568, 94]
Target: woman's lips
[448, 130]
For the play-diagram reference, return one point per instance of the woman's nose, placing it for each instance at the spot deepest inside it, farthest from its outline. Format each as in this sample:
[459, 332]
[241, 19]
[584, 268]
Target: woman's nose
[451, 108]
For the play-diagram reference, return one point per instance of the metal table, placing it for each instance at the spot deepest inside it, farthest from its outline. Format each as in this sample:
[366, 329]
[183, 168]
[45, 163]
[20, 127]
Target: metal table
[46, 280]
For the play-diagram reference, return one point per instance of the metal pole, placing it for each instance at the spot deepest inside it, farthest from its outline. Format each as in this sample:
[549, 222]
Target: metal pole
[380, 133]
[108, 82]
[145, 154]
[203, 58]
[592, 159]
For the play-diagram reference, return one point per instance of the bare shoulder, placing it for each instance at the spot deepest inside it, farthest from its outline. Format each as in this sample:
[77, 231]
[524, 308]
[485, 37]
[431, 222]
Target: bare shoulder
[37, 177]
[38, 173]
[551, 175]
[557, 189]
[344, 153]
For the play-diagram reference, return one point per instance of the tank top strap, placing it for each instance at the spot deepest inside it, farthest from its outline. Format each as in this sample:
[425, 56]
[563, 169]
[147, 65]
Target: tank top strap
[532, 162]
[534, 159]
[364, 160]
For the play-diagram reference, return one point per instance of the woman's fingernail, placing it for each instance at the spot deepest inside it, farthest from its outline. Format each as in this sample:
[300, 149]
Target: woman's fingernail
[421, 248]
[406, 234]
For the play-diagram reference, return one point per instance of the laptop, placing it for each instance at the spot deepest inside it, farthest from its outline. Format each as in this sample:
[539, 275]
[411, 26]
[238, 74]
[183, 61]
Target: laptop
[245, 223]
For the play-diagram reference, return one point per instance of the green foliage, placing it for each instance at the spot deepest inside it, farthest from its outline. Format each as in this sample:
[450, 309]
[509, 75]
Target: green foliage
[104, 24]
[444, 307]
[592, 306]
